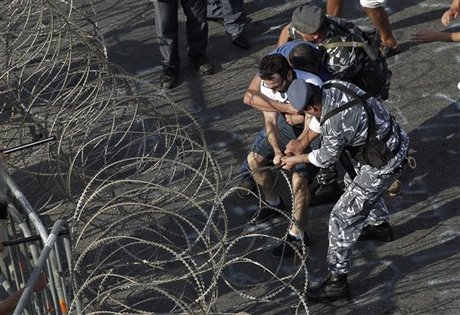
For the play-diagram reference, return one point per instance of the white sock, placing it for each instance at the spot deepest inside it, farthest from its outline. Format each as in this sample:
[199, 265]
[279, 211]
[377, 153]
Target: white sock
[297, 236]
[274, 203]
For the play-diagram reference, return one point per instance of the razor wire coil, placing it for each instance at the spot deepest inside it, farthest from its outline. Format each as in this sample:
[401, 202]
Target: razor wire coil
[130, 170]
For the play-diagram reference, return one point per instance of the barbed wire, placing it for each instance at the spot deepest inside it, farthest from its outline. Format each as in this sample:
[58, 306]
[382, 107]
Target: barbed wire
[131, 171]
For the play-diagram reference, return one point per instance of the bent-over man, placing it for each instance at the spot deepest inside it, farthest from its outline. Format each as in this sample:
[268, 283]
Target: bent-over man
[267, 92]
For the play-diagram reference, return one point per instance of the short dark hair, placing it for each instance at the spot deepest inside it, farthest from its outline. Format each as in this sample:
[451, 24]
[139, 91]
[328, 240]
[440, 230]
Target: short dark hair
[316, 96]
[273, 64]
[305, 57]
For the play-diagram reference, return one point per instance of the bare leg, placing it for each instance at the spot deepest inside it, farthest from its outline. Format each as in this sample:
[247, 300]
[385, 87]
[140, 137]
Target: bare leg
[301, 203]
[334, 7]
[263, 178]
[379, 18]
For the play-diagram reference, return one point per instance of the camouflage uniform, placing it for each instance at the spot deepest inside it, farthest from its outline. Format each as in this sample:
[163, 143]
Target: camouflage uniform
[362, 202]
[353, 64]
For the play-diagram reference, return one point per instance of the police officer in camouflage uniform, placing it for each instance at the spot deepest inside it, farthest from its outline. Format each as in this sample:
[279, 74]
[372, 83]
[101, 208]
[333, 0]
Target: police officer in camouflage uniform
[351, 121]
[345, 58]
[348, 51]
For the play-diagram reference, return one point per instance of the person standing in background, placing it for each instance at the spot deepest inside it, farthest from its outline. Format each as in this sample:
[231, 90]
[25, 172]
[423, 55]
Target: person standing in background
[167, 28]
[375, 9]
[453, 12]
[233, 16]
[427, 36]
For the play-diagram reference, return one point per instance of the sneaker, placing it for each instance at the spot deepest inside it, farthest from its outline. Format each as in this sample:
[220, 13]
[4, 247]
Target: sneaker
[240, 40]
[388, 51]
[286, 248]
[395, 188]
[382, 232]
[326, 194]
[332, 289]
[246, 187]
[169, 77]
[267, 213]
[201, 64]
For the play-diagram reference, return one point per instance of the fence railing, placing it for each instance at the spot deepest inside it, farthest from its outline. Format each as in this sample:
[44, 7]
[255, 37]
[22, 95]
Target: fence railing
[30, 250]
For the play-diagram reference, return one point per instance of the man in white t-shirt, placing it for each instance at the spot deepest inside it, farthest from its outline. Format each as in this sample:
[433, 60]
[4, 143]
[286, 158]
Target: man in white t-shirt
[267, 93]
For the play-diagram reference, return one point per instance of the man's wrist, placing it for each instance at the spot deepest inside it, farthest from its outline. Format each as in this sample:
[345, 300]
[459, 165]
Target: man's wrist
[305, 158]
[304, 142]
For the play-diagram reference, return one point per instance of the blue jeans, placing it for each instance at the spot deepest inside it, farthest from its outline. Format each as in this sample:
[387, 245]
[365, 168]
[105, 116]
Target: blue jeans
[287, 133]
[231, 11]
[245, 172]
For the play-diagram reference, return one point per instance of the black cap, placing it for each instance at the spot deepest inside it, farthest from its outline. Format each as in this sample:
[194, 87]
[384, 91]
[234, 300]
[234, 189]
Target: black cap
[308, 18]
[299, 93]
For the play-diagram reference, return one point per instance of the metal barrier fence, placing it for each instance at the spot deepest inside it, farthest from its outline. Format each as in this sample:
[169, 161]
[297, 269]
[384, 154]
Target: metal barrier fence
[29, 251]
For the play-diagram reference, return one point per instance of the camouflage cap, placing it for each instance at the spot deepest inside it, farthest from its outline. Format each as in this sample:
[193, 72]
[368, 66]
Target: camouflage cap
[308, 18]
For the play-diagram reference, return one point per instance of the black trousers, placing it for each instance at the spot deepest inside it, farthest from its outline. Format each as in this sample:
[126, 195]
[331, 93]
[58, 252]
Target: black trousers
[167, 28]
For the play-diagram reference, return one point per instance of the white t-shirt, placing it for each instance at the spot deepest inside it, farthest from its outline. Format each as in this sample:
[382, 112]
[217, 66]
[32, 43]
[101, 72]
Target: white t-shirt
[282, 97]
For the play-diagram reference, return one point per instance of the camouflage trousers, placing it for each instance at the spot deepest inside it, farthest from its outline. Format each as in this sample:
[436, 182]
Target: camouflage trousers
[361, 204]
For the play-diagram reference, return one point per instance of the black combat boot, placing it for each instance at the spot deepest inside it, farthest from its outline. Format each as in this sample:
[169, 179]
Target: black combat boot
[201, 64]
[169, 77]
[335, 287]
[380, 232]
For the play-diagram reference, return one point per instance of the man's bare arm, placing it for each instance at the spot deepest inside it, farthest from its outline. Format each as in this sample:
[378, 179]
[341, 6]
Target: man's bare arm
[254, 98]
[272, 132]
[298, 146]
[284, 36]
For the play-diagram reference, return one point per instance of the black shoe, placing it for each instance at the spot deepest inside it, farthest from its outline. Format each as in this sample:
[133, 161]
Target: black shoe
[326, 194]
[201, 64]
[388, 51]
[240, 40]
[246, 187]
[380, 232]
[267, 213]
[333, 288]
[286, 247]
[169, 77]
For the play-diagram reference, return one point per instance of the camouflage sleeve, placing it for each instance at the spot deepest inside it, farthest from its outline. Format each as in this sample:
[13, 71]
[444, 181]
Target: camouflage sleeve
[344, 62]
[348, 127]
[333, 142]
[341, 62]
